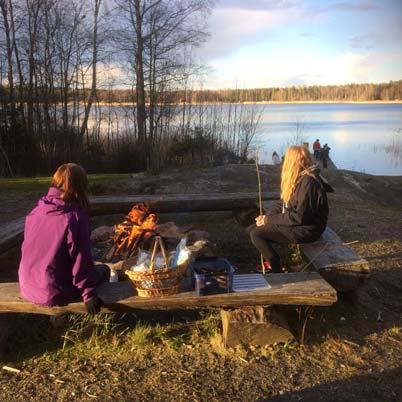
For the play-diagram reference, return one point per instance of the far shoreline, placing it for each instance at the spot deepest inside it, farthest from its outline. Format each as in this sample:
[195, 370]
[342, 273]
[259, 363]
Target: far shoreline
[377, 102]
[324, 102]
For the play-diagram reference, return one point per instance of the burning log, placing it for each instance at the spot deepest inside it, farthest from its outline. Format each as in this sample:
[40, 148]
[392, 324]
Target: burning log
[137, 229]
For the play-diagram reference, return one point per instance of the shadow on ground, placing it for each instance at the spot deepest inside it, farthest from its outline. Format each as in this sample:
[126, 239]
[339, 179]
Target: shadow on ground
[376, 386]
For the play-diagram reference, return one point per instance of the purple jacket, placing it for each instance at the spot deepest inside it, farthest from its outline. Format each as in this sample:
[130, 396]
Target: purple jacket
[56, 264]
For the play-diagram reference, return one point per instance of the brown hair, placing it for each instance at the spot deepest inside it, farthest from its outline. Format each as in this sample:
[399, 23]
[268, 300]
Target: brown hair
[297, 159]
[71, 180]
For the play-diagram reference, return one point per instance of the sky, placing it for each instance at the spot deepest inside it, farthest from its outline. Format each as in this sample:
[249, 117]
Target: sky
[279, 43]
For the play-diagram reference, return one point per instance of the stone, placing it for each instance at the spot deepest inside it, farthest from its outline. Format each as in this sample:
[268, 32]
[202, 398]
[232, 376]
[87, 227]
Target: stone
[102, 233]
[257, 326]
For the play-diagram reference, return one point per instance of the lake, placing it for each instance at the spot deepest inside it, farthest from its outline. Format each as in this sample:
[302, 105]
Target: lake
[363, 137]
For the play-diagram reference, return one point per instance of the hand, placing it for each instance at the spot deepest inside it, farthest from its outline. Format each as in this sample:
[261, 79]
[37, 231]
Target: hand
[261, 220]
[94, 305]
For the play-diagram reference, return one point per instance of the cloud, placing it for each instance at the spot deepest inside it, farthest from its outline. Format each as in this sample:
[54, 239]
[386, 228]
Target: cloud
[389, 32]
[233, 27]
[236, 23]
[362, 42]
[256, 4]
[107, 75]
[294, 69]
[299, 36]
[357, 6]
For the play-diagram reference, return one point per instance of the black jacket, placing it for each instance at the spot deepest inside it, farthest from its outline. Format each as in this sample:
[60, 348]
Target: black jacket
[307, 211]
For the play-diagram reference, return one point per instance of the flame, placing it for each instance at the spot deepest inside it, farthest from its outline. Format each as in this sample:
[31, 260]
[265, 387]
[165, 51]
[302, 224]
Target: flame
[138, 223]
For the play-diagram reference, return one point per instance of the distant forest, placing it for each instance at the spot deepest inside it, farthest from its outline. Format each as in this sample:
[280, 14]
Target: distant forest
[391, 91]
[351, 92]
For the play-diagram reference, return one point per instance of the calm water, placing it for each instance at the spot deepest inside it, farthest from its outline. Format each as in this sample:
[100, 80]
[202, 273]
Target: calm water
[364, 138]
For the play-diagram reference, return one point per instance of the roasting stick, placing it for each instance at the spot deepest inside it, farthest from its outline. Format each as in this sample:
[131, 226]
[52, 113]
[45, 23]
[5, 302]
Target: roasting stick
[259, 201]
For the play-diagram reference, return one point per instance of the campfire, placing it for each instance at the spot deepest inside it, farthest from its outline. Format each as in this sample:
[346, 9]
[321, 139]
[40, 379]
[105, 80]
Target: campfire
[136, 231]
[153, 256]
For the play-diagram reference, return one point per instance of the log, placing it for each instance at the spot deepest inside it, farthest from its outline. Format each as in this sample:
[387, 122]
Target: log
[338, 264]
[175, 203]
[286, 289]
[256, 326]
[11, 234]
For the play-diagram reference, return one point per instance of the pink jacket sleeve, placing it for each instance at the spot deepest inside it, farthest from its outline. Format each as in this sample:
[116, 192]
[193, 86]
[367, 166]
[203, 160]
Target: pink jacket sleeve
[79, 246]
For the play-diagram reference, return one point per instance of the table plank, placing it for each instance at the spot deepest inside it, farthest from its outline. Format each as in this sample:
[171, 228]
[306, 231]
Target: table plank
[286, 289]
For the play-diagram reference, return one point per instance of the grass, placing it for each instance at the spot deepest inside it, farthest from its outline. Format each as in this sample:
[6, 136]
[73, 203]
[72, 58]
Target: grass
[80, 336]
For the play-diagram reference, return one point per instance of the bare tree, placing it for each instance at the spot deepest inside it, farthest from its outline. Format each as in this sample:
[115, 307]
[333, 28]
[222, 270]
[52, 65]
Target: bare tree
[11, 98]
[156, 35]
[92, 95]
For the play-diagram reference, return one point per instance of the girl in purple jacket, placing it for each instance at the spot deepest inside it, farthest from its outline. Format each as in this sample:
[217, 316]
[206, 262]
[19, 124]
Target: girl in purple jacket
[56, 265]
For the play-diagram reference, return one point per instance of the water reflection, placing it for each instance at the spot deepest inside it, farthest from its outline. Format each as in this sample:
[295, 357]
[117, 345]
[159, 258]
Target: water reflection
[364, 138]
[394, 148]
[341, 136]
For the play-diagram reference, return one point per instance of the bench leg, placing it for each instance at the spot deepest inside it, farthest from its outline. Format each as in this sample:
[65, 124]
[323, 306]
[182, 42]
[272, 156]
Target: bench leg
[8, 325]
[256, 326]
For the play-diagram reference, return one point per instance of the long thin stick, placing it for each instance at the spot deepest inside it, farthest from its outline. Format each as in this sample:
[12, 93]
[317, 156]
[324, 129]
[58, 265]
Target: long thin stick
[259, 202]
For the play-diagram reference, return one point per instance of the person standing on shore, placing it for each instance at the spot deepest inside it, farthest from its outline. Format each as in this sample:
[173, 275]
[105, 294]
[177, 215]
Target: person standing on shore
[276, 160]
[325, 155]
[317, 149]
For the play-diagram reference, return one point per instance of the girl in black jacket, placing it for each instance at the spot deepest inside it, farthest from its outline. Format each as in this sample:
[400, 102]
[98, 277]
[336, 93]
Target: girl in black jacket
[301, 214]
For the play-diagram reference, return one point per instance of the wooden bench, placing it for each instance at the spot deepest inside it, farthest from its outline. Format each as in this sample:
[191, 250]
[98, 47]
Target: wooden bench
[11, 233]
[337, 263]
[244, 319]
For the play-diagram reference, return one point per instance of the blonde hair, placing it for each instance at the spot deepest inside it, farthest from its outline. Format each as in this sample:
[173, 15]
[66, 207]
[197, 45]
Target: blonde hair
[297, 159]
[71, 180]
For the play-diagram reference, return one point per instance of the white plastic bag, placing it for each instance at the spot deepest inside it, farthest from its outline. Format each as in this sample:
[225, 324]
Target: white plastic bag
[113, 276]
[181, 255]
[143, 262]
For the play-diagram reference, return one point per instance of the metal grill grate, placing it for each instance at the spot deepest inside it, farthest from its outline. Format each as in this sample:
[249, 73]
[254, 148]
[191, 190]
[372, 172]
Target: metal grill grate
[249, 283]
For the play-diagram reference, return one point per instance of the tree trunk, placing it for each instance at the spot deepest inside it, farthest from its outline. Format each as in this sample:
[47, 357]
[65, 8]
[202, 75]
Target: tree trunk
[140, 84]
[92, 95]
[11, 96]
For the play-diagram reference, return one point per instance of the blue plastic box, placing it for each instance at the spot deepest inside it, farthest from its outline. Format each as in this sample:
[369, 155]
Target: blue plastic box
[212, 275]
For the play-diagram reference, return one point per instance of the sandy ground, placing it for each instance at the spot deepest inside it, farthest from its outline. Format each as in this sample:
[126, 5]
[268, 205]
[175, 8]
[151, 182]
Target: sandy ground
[352, 352]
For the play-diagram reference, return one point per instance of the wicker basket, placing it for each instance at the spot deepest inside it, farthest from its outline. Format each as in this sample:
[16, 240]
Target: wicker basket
[158, 282]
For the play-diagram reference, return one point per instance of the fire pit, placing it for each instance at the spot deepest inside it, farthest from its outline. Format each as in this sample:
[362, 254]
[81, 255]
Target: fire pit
[136, 231]
[154, 257]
